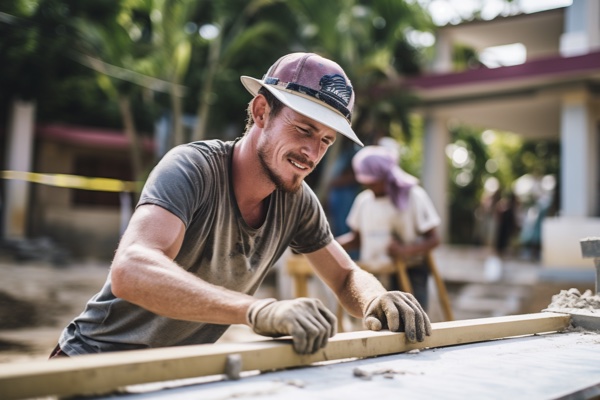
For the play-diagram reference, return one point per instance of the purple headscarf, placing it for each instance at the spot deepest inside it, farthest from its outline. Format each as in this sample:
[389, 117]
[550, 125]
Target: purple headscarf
[377, 163]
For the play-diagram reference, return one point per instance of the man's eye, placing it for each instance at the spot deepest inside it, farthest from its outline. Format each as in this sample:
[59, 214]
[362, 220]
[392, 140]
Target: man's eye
[302, 130]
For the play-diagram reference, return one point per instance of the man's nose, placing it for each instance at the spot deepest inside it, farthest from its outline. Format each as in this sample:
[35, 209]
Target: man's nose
[312, 150]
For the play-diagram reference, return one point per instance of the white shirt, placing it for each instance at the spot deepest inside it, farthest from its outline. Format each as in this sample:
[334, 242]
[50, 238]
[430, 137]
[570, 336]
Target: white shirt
[377, 219]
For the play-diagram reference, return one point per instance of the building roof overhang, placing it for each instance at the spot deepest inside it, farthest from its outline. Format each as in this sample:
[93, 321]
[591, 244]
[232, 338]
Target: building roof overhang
[524, 98]
[539, 32]
[97, 138]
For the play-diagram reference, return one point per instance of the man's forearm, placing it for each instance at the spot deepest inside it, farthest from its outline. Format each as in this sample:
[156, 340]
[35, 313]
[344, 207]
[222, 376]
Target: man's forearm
[359, 289]
[153, 281]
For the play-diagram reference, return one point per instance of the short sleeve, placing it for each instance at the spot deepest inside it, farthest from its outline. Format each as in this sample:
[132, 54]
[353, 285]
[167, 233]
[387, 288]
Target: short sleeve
[353, 218]
[176, 183]
[425, 215]
[313, 231]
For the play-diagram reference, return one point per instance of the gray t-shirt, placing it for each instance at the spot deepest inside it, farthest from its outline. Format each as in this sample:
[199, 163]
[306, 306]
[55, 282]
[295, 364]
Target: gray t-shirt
[193, 182]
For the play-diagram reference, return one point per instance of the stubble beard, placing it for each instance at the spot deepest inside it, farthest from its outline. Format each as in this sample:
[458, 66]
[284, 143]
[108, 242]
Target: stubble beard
[277, 179]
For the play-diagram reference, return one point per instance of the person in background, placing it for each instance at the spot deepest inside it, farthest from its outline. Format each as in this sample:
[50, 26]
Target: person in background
[215, 216]
[393, 218]
[507, 223]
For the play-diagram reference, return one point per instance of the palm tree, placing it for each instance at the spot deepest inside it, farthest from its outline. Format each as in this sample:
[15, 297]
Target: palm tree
[238, 30]
[36, 36]
[131, 53]
[171, 55]
[110, 50]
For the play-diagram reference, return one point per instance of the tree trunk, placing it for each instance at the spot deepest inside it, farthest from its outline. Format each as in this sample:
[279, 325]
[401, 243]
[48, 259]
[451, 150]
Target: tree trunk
[204, 105]
[131, 134]
[177, 117]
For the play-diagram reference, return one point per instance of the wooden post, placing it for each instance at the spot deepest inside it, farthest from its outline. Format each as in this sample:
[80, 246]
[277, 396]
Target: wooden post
[403, 279]
[300, 270]
[441, 288]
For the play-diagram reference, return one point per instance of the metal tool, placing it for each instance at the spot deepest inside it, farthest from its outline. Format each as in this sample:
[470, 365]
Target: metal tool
[590, 248]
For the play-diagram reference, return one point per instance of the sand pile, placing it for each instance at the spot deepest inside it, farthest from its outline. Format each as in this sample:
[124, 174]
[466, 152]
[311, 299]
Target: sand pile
[573, 299]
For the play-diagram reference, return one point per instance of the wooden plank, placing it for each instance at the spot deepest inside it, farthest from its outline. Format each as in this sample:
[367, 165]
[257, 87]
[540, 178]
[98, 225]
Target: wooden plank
[103, 373]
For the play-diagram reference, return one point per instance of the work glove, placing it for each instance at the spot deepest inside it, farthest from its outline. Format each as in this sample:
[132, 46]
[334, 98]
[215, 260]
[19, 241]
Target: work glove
[308, 321]
[398, 312]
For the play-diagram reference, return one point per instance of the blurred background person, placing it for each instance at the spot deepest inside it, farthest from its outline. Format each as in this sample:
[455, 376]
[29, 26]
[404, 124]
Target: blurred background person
[393, 218]
[507, 223]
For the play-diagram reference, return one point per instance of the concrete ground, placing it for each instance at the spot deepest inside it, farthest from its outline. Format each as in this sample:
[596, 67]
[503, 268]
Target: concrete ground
[38, 299]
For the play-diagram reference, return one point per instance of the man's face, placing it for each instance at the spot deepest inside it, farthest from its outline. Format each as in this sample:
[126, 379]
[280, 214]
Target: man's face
[291, 146]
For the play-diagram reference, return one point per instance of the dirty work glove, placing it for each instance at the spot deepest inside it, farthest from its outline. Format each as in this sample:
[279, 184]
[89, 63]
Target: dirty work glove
[398, 311]
[308, 321]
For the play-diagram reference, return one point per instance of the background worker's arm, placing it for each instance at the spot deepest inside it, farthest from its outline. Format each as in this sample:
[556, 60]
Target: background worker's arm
[397, 249]
[349, 241]
[143, 272]
[363, 296]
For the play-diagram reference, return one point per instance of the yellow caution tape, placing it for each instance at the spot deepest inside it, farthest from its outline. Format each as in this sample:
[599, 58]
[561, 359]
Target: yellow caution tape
[74, 181]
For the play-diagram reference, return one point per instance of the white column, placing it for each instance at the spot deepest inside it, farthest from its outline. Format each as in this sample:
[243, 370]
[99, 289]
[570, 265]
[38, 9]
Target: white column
[593, 25]
[18, 158]
[581, 28]
[578, 165]
[435, 168]
[442, 63]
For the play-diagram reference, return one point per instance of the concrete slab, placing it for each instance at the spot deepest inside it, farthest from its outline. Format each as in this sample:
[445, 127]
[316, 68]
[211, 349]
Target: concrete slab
[552, 366]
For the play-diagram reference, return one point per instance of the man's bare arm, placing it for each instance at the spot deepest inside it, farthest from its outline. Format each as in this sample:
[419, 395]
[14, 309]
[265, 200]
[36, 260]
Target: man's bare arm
[353, 286]
[362, 295]
[143, 272]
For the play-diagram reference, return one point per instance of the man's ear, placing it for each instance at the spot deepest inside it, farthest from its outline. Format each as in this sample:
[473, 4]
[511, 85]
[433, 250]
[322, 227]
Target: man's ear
[260, 110]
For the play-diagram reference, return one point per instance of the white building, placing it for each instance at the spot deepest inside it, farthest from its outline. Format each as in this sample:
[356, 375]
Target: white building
[555, 93]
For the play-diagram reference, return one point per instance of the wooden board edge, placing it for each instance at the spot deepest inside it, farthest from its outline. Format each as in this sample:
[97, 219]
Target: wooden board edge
[104, 373]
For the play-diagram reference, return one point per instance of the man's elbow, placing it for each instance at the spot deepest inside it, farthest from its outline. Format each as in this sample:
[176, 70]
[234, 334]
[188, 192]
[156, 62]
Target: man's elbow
[121, 274]
[118, 280]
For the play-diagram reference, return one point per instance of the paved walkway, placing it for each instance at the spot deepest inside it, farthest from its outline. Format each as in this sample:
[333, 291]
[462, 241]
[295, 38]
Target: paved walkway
[479, 285]
[482, 285]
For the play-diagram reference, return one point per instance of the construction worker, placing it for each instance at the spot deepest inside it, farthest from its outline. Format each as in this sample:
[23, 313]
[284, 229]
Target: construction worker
[393, 218]
[214, 216]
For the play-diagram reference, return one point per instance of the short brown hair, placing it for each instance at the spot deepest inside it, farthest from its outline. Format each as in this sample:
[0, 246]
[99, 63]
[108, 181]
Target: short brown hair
[274, 104]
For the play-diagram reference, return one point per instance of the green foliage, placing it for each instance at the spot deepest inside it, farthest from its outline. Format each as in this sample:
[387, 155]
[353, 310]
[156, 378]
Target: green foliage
[38, 38]
[411, 147]
[491, 154]
[467, 178]
[253, 36]
[368, 39]
[159, 38]
[464, 58]
[49, 47]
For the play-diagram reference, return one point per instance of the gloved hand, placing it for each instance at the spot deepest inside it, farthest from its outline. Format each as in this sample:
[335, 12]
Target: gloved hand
[398, 311]
[308, 321]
